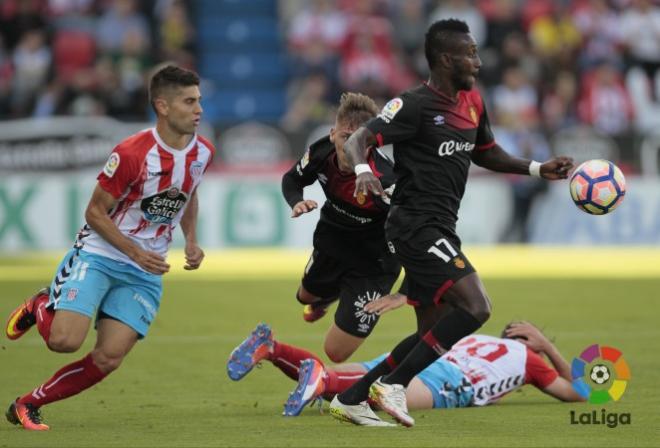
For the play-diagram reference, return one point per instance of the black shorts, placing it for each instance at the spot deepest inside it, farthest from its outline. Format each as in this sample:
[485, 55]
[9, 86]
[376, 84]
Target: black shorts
[433, 263]
[329, 278]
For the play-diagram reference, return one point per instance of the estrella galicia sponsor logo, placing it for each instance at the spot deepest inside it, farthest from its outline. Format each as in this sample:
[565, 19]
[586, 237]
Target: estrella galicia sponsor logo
[164, 206]
[451, 146]
[600, 375]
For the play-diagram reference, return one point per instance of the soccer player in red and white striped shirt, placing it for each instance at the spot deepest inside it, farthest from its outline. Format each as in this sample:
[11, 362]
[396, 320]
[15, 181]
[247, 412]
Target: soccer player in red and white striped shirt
[114, 271]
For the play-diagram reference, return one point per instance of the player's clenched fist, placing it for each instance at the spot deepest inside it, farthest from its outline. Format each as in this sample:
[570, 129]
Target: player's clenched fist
[194, 256]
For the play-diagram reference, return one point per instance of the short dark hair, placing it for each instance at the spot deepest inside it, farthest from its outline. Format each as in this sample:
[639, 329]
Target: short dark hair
[356, 108]
[169, 77]
[440, 38]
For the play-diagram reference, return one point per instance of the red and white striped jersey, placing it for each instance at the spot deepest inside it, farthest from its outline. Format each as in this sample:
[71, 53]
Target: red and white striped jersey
[152, 183]
[497, 366]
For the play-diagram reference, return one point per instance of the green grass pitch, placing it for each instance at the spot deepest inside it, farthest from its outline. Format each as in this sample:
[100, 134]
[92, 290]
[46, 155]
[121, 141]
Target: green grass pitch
[173, 390]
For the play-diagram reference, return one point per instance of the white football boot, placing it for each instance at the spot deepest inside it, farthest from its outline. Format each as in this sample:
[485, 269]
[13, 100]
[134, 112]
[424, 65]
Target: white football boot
[359, 414]
[391, 398]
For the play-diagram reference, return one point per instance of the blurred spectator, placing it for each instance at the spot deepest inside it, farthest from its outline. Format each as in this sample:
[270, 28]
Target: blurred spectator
[6, 73]
[646, 106]
[555, 39]
[19, 16]
[31, 61]
[310, 105]
[120, 19]
[640, 28]
[177, 36]
[515, 100]
[322, 22]
[601, 32]
[462, 10]
[559, 104]
[409, 21]
[502, 18]
[605, 103]
[521, 142]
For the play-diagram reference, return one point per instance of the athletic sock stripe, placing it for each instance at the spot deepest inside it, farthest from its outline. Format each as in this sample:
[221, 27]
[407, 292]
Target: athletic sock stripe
[64, 375]
[432, 342]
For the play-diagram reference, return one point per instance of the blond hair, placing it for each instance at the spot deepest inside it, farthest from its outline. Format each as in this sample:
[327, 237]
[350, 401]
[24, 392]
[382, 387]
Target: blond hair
[356, 108]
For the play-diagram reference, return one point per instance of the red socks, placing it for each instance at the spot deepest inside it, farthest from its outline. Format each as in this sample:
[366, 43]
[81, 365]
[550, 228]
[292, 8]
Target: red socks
[44, 316]
[338, 382]
[67, 381]
[287, 358]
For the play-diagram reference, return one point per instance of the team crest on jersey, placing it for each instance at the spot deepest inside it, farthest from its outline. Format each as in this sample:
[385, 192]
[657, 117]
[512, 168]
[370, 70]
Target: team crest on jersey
[391, 109]
[163, 207]
[111, 165]
[361, 198]
[173, 192]
[196, 168]
[459, 263]
[473, 114]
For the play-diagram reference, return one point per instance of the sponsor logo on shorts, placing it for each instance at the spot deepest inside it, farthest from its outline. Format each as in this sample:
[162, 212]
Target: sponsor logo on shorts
[438, 120]
[72, 294]
[148, 307]
[459, 263]
[366, 320]
[390, 246]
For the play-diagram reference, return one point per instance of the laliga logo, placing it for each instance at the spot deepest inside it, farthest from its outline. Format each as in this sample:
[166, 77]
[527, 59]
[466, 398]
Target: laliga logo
[606, 370]
[600, 375]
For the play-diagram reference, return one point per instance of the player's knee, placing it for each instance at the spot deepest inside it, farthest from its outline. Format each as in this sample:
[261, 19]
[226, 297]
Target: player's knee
[62, 342]
[479, 307]
[482, 310]
[106, 362]
[338, 353]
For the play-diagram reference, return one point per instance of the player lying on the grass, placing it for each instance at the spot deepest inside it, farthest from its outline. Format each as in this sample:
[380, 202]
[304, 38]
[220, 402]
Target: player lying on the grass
[350, 261]
[114, 271]
[477, 371]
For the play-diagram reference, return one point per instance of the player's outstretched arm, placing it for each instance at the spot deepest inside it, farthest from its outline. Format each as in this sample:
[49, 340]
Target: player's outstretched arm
[194, 254]
[356, 152]
[386, 303]
[97, 217]
[496, 159]
[561, 388]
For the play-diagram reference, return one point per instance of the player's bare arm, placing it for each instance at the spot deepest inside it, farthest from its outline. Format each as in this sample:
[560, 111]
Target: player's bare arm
[356, 152]
[194, 254]
[97, 217]
[386, 303]
[561, 388]
[496, 159]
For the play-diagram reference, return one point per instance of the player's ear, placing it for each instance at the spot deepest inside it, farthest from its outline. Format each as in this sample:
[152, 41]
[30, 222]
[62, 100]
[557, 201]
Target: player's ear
[445, 60]
[332, 135]
[161, 106]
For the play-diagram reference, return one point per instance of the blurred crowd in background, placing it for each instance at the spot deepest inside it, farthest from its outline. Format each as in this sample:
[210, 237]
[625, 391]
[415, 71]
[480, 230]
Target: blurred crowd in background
[547, 65]
[550, 69]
